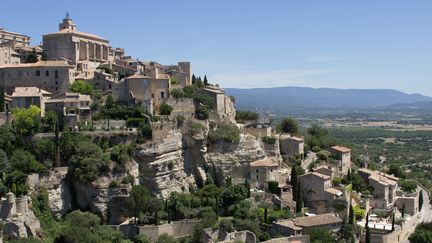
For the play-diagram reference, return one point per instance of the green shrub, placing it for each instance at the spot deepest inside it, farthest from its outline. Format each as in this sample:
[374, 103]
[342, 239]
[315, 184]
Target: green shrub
[146, 131]
[114, 184]
[225, 131]
[202, 113]
[177, 93]
[180, 120]
[273, 187]
[135, 122]
[82, 87]
[242, 116]
[268, 140]
[165, 109]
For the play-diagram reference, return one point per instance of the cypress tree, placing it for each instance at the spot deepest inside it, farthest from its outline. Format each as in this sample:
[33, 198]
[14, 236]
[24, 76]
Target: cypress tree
[2, 99]
[421, 200]
[403, 210]
[294, 182]
[351, 215]
[205, 80]
[393, 222]
[368, 236]
[299, 198]
[194, 79]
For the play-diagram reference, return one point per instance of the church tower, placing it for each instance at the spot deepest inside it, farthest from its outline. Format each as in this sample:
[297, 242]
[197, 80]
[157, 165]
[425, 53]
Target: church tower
[67, 23]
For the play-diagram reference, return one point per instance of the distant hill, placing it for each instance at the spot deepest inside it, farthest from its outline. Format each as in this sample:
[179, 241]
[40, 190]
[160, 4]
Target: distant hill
[284, 100]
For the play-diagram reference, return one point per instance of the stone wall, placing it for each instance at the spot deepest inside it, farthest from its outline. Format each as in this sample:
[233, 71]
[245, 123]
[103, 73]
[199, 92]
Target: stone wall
[291, 239]
[160, 130]
[178, 229]
[182, 107]
[411, 204]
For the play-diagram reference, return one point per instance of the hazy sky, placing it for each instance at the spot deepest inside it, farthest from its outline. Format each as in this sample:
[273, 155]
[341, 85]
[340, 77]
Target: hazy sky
[322, 43]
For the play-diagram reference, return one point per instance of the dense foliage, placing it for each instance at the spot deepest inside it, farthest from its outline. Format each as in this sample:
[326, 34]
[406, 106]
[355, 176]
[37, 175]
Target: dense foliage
[243, 116]
[227, 132]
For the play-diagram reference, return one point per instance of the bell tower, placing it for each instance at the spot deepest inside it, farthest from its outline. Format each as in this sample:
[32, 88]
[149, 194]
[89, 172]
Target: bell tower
[67, 23]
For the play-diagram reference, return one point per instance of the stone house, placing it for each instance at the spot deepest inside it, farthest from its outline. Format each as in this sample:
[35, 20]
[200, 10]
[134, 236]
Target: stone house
[147, 91]
[8, 55]
[74, 107]
[15, 38]
[291, 146]
[303, 225]
[258, 130]
[52, 76]
[343, 157]
[262, 171]
[223, 105]
[384, 187]
[24, 97]
[318, 193]
[410, 202]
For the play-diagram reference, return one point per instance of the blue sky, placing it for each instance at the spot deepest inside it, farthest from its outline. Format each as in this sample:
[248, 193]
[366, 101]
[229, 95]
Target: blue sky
[340, 44]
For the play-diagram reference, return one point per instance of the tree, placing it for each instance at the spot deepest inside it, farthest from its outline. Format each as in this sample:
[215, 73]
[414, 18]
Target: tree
[205, 81]
[23, 160]
[351, 215]
[7, 139]
[32, 57]
[421, 200]
[165, 238]
[289, 125]
[396, 171]
[347, 233]
[273, 187]
[165, 109]
[88, 162]
[321, 236]
[408, 185]
[294, 182]
[109, 102]
[177, 93]
[82, 87]
[2, 99]
[194, 79]
[138, 200]
[368, 234]
[393, 222]
[27, 120]
[299, 199]
[403, 210]
[422, 233]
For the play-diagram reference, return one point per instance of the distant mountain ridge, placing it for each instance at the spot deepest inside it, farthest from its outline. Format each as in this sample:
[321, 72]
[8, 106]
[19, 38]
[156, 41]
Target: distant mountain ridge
[292, 98]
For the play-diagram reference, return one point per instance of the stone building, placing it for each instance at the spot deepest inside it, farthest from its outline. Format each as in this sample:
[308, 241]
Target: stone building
[8, 55]
[303, 225]
[15, 38]
[291, 145]
[258, 130]
[343, 157]
[74, 107]
[223, 105]
[24, 97]
[262, 171]
[318, 193]
[52, 76]
[147, 91]
[86, 50]
[384, 187]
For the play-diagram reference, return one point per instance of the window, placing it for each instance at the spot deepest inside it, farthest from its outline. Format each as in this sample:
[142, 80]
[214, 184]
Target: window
[162, 94]
[257, 170]
[257, 177]
[271, 170]
[38, 73]
[56, 74]
[46, 73]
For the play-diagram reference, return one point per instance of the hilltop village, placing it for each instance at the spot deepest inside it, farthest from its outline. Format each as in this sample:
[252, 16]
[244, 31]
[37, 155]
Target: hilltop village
[95, 141]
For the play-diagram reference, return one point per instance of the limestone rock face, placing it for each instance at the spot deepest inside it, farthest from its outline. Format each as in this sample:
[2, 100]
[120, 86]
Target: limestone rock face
[21, 226]
[233, 158]
[162, 165]
[57, 185]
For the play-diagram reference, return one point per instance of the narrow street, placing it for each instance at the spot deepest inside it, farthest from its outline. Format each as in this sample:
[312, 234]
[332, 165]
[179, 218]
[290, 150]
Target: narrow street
[311, 156]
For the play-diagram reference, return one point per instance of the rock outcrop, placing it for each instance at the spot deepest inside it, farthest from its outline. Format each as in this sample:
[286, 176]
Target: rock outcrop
[233, 158]
[58, 189]
[162, 165]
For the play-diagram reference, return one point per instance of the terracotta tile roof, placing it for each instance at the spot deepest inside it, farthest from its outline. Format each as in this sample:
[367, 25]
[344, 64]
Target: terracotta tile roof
[29, 92]
[288, 223]
[319, 175]
[79, 33]
[317, 220]
[137, 76]
[341, 149]
[266, 162]
[380, 177]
